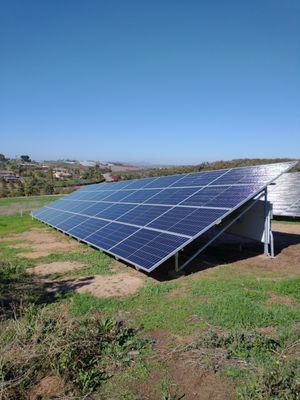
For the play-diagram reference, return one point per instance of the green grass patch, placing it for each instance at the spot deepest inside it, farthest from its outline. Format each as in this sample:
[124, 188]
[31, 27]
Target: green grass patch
[241, 303]
[6, 250]
[12, 224]
[149, 308]
[24, 205]
[41, 200]
[94, 262]
[288, 222]
[231, 304]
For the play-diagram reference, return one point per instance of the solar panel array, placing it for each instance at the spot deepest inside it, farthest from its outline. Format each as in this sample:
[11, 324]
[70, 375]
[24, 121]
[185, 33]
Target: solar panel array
[146, 221]
[285, 195]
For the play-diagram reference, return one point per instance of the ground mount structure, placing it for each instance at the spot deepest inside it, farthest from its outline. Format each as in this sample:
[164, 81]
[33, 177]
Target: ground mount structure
[147, 221]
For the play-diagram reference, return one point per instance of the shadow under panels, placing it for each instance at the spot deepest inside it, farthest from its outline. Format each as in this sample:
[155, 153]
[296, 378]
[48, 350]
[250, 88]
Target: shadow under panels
[146, 221]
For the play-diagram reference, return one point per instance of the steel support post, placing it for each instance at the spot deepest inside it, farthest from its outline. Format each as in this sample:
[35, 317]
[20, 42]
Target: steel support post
[267, 224]
[177, 262]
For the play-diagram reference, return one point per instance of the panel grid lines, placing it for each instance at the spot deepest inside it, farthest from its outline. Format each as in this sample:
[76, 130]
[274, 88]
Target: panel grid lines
[149, 204]
[146, 221]
[285, 195]
[178, 204]
[119, 222]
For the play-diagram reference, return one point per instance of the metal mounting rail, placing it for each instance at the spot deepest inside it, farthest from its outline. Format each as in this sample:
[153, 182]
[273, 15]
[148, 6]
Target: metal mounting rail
[268, 235]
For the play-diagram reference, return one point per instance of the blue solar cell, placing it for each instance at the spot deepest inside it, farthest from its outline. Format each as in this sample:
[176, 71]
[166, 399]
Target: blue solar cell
[143, 214]
[165, 181]
[100, 195]
[246, 176]
[112, 186]
[139, 196]
[187, 221]
[139, 183]
[110, 235]
[94, 186]
[119, 185]
[199, 179]
[76, 195]
[146, 248]
[96, 208]
[87, 227]
[119, 195]
[205, 195]
[39, 212]
[233, 196]
[104, 187]
[172, 196]
[230, 178]
[70, 222]
[65, 205]
[60, 204]
[55, 217]
[115, 211]
[79, 206]
[47, 215]
[93, 195]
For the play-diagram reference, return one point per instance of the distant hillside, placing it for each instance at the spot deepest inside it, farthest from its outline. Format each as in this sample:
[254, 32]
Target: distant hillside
[205, 166]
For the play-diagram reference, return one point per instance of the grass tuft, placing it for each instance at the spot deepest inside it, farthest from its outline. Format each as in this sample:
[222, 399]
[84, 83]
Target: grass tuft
[83, 353]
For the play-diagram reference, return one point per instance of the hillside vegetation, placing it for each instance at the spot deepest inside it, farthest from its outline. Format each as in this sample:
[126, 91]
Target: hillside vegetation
[205, 166]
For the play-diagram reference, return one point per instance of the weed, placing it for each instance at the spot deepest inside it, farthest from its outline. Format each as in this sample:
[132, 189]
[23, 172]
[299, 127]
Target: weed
[82, 352]
[277, 381]
[259, 360]
[247, 345]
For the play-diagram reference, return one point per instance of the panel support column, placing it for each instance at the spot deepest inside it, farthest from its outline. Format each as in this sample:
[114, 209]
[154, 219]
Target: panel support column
[268, 235]
[177, 262]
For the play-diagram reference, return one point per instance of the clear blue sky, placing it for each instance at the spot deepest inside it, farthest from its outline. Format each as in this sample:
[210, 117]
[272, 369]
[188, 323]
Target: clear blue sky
[158, 81]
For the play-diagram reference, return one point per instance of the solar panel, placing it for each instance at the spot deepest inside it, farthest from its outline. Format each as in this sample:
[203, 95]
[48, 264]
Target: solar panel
[146, 221]
[285, 195]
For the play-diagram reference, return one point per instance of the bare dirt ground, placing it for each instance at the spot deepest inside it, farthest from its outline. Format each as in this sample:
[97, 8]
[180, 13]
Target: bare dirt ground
[42, 242]
[55, 267]
[251, 258]
[48, 387]
[122, 284]
[286, 228]
[191, 381]
[117, 285]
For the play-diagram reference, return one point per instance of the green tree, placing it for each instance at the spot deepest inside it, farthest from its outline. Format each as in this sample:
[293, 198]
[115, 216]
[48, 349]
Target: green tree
[14, 189]
[25, 158]
[3, 188]
[49, 174]
[49, 188]
[29, 186]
